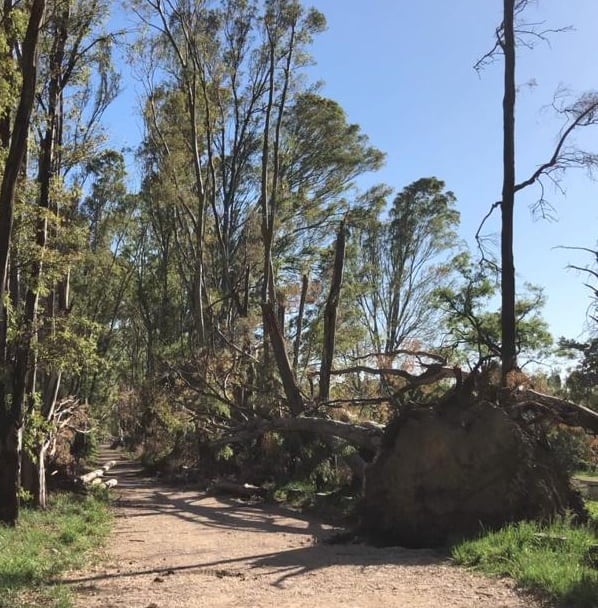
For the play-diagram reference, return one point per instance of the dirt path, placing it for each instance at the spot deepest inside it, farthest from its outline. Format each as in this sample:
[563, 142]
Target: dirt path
[173, 549]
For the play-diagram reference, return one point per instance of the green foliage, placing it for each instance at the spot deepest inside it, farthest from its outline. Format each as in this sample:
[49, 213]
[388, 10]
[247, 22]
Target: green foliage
[72, 345]
[14, 24]
[44, 545]
[296, 493]
[571, 447]
[474, 330]
[225, 453]
[557, 561]
[582, 382]
[399, 260]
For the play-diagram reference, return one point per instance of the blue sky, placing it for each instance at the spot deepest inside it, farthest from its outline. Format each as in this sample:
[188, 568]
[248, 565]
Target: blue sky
[404, 72]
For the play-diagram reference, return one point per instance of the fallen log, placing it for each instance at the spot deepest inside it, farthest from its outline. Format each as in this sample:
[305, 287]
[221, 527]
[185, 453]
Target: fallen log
[367, 435]
[571, 413]
[88, 478]
[245, 490]
[92, 476]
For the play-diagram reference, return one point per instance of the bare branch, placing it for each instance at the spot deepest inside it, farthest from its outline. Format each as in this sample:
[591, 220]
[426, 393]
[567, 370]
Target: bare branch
[479, 238]
[419, 354]
[434, 373]
[587, 249]
[490, 56]
[582, 269]
[585, 113]
[526, 34]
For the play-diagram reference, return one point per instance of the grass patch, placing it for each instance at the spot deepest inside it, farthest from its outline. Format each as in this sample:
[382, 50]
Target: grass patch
[591, 474]
[557, 561]
[44, 545]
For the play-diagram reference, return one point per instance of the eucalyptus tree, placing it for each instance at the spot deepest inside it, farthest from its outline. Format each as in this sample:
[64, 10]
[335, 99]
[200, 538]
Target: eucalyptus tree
[103, 276]
[405, 252]
[20, 50]
[473, 328]
[245, 189]
[215, 79]
[70, 103]
[322, 154]
[66, 107]
[253, 157]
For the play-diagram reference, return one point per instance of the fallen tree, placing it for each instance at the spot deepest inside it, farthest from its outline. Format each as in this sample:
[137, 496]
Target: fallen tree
[447, 469]
[475, 457]
[450, 469]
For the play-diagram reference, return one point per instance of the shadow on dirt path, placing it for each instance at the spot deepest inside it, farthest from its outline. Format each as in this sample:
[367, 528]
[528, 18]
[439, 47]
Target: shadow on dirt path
[174, 548]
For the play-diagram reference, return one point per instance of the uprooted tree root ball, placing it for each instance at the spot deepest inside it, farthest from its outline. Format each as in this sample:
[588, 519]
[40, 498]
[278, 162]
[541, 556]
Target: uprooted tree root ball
[452, 469]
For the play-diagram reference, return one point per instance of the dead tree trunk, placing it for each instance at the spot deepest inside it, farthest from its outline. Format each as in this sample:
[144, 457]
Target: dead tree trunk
[299, 323]
[507, 275]
[330, 315]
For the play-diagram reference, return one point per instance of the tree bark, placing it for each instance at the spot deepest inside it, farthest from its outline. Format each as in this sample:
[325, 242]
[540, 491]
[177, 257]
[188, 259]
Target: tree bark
[292, 392]
[367, 436]
[297, 342]
[11, 416]
[18, 140]
[330, 315]
[508, 319]
[10, 468]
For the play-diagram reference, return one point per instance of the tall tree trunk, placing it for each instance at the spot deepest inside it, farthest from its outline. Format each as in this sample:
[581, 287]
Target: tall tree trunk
[11, 416]
[10, 468]
[47, 167]
[18, 140]
[508, 329]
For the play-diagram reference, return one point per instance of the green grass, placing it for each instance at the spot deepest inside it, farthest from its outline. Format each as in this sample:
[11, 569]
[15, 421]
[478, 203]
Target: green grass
[558, 561]
[586, 475]
[44, 545]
